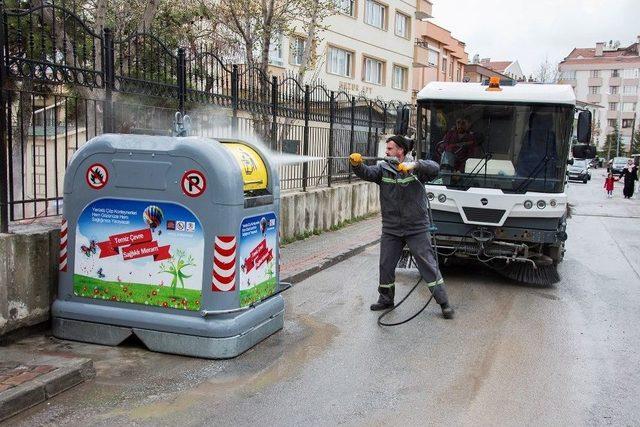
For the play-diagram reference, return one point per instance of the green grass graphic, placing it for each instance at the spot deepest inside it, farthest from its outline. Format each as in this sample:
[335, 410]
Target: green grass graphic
[136, 293]
[258, 292]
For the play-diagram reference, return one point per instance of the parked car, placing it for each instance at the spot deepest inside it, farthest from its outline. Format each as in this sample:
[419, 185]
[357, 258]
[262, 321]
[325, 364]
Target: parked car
[618, 164]
[579, 171]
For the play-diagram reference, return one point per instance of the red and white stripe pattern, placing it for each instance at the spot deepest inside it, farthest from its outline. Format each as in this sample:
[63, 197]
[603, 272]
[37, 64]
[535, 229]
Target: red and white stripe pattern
[224, 264]
[63, 245]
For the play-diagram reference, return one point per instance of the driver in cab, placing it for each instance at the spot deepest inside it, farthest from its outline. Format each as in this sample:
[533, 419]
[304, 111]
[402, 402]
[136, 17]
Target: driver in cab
[458, 145]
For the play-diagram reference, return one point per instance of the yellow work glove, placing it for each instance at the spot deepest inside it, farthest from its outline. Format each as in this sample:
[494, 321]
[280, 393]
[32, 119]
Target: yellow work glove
[405, 167]
[355, 159]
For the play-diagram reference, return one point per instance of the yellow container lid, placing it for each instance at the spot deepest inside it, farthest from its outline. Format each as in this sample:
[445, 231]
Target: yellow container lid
[254, 171]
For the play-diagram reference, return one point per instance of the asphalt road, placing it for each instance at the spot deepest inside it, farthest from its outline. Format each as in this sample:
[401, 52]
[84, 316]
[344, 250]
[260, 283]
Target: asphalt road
[514, 355]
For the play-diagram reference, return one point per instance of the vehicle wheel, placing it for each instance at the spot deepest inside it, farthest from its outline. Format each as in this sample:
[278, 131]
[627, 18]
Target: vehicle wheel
[584, 181]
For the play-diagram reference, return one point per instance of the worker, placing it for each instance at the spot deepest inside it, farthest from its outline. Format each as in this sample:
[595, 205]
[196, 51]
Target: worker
[405, 220]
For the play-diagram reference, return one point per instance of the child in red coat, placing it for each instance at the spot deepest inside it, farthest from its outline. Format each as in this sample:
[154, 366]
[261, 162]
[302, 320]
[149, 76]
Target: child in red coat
[608, 184]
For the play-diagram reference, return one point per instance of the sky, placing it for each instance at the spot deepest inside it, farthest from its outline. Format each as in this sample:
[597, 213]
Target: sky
[532, 30]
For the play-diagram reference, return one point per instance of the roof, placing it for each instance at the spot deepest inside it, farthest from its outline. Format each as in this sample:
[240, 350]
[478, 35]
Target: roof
[530, 93]
[484, 71]
[498, 66]
[628, 54]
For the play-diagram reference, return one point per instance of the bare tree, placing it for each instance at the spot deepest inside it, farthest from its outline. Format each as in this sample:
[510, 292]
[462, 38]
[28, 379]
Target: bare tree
[547, 72]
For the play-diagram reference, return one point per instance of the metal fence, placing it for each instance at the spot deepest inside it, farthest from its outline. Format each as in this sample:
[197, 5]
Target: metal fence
[64, 83]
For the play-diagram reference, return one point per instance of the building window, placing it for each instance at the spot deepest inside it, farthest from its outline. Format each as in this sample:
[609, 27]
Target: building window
[630, 73]
[399, 77]
[459, 74]
[296, 50]
[373, 71]
[347, 7]
[627, 123]
[613, 106]
[611, 123]
[613, 90]
[275, 51]
[375, 14]
[595, 73]
[433, 58]
[340, 62]
[444, 65]
[615, 73]
[402, 25]
[568, 74]
[630, 90]
[451, 70]
[593, 90]
[629, 107]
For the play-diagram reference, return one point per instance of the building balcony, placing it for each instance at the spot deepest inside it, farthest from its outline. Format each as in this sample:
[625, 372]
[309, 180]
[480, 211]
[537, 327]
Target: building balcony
[630, 98]
[625, 132]
[615, 81]
[594, 98]
[628, 115]
[630, 82]
[423, 10]
[420, 54]
[594, 81]
[613, 98]
[612, 114]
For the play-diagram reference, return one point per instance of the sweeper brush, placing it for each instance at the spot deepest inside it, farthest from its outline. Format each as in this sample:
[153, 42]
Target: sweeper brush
[529, 273]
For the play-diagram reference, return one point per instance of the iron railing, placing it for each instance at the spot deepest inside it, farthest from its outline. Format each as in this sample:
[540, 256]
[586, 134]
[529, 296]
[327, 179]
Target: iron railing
[65, 82]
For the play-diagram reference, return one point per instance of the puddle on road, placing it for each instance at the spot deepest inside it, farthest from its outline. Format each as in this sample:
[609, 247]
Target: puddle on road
[271, 362]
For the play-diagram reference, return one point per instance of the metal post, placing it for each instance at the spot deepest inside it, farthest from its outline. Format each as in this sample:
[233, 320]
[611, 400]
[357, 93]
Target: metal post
[234, 98]
[417, 146]
[351, 137]
[619, 129]
[369, 151]
[305, 142]
[108, 74]
[274, 113]
[332, 113]
[4, 142]
[182, 79]
[633, 130]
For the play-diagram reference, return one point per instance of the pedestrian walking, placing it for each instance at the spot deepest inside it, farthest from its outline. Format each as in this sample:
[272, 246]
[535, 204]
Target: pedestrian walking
[630, 176]
[609, 184]
[405, 220]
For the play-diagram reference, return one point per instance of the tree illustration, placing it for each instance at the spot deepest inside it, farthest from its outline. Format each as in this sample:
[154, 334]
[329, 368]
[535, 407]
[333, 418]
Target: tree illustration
[174, 266]
[270, 270]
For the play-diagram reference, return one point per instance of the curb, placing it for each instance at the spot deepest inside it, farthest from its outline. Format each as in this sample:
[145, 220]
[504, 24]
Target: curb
[305, 274]
[31, 393]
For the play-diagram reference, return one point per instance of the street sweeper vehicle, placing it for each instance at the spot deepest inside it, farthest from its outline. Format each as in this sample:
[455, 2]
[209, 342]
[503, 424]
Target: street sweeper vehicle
[503, 151]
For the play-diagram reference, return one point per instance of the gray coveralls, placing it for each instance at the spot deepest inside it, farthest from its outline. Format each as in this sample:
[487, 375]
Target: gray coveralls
[403, 204]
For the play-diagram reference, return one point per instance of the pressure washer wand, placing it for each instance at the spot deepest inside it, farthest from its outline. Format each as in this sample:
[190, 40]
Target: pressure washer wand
[393, 160]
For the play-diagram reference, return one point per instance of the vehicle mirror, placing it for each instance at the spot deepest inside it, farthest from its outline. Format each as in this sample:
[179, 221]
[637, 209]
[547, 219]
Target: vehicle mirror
[402, 121]
[583, 151]
[584, 126]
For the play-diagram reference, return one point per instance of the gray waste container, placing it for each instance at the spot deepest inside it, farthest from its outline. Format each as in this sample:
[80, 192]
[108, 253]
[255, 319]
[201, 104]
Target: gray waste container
[174, 240]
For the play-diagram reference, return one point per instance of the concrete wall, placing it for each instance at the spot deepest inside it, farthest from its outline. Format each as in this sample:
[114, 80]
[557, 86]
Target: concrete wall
[28, 277]
[29, 256]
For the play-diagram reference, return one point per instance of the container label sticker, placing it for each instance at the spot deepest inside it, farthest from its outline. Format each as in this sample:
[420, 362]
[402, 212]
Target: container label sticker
[257, 255]
[97, 176]
[131, 251]
[224, 264]
[193, 183]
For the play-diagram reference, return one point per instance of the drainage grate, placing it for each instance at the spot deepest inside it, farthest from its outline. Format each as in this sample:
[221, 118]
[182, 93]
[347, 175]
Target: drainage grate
[484, 215]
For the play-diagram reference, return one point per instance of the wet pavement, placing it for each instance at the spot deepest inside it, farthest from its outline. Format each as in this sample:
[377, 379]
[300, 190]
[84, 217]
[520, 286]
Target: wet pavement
[514, 354]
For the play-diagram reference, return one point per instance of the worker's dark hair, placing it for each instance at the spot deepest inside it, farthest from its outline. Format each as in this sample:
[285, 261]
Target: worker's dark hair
[402, 142]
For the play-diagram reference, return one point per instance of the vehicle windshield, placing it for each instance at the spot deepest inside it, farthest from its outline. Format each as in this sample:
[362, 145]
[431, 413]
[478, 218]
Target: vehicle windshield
[512, 147]
[620, 160]
[580, 164]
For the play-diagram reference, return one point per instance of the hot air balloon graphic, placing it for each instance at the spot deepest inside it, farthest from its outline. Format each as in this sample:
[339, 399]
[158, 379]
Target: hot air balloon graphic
[152, 216]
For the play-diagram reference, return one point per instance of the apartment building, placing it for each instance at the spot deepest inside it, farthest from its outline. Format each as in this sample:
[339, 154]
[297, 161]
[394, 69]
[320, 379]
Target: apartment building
[438, 56]
[508, 68]
[607, 75]
[366, 49]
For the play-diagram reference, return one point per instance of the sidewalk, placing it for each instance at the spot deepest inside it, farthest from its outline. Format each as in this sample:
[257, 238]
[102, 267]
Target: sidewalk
[303, 258]
[29, 377]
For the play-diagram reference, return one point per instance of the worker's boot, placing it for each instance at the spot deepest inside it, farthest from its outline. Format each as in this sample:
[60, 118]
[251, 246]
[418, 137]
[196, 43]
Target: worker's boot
[385, 300]
[447, 311]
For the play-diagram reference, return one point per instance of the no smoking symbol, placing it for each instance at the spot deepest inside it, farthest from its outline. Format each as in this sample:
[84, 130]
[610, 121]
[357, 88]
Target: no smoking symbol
[193, 183]
[97, 176]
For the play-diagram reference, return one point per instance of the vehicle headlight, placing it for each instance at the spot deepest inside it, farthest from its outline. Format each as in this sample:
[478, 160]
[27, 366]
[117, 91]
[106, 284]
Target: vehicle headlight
[442, 198]
[431, 196]
[553, 203]
[541, 204]
[528, 204]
